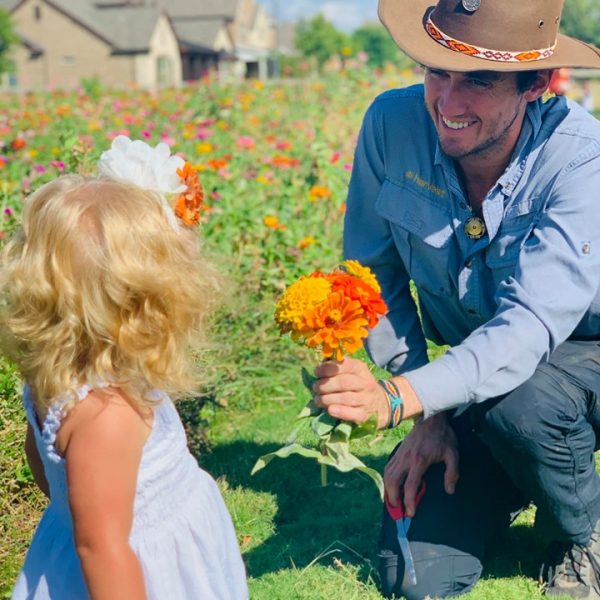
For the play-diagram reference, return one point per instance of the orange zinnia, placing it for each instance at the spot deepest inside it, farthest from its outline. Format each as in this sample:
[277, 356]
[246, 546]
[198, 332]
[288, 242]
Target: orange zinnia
[355, 289]
[336, 326]
[189, 202]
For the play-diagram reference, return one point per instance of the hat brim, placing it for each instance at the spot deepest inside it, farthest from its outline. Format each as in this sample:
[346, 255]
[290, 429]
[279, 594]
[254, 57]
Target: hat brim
[404, 19]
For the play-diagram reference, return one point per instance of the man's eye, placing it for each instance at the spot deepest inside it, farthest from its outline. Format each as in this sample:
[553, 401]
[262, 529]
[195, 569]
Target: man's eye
[480, 83]
[436, 72]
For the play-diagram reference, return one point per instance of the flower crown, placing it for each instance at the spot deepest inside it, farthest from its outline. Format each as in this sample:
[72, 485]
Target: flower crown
[156, 169]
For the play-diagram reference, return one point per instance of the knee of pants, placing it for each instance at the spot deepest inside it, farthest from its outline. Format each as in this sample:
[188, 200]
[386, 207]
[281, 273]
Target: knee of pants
[538, 410]
[441, 573]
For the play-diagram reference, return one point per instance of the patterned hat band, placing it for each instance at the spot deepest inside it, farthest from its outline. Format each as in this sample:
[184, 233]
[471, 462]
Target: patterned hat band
[505, 56]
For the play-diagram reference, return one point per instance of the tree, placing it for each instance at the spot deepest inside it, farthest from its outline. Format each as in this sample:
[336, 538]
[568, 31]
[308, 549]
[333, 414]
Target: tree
[319, 38]
[380, 47]
[581, 19]
[7, 39]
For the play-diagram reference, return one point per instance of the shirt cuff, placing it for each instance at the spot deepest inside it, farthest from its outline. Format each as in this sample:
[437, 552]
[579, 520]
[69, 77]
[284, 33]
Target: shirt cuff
[437, 387]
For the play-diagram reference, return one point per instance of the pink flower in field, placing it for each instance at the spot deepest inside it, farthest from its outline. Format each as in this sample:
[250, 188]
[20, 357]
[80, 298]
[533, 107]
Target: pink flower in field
[146, 134]
[39, 169]
[167, 139]
[245, 141]
[283, 145]
[113, 134]
[335, 157]
[348, 167]
[8, 212]
[204, 133]
[58, 164]
[26, 184]
[214, 195]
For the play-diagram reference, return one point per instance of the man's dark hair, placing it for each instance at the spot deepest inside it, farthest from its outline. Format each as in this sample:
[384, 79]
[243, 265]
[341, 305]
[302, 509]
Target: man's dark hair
[525, 79]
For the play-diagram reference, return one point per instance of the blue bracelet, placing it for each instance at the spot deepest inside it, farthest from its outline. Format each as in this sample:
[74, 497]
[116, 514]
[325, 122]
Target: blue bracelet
[394, 400]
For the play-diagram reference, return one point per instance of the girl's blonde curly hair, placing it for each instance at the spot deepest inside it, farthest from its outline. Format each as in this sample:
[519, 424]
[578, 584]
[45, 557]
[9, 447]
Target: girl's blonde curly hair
[98, 286]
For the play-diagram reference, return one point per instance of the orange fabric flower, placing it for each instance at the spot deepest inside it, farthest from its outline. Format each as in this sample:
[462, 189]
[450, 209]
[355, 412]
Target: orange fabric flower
[189, 202]
[336, 326]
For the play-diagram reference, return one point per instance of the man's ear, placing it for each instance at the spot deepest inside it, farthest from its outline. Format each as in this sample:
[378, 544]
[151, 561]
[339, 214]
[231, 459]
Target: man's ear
[540, 85]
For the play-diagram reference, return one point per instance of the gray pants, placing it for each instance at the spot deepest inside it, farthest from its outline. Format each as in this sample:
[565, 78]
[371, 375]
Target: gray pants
[534, 444]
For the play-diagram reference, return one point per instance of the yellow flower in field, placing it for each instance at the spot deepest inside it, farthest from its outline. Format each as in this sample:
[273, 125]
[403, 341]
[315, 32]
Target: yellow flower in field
[346, 51]
[204, 148]
[7, 186]
[200, 167]
[305, 242]
[319, 192]
[94, 126]
[262, 179]
[258, 85]
[304, 294]
[33, 153]
[363, 273]
[272, 222]
[55, 151]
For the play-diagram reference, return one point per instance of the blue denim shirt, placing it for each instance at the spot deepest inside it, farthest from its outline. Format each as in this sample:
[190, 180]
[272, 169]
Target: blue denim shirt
[503, 302]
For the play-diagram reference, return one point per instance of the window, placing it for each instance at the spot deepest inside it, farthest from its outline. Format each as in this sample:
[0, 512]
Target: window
[37, 13]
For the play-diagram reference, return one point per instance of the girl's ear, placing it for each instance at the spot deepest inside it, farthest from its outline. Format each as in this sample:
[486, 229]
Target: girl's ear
[540, 85]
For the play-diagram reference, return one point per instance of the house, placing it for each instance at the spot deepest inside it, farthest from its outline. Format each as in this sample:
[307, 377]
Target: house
[240, 34]
[119, 43]
[148, 43]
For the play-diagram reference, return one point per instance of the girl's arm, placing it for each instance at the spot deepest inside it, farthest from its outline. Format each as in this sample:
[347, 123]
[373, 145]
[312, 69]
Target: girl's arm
[102, 440]
[35, 462]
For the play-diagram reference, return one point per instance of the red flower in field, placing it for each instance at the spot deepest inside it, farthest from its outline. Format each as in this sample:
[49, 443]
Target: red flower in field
[284, 162]
[18, 144]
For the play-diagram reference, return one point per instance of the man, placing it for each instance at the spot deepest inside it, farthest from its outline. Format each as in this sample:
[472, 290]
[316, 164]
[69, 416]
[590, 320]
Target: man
[489, 200]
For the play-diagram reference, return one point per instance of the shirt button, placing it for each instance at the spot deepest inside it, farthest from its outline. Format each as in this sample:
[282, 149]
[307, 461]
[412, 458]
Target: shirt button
[469, 263]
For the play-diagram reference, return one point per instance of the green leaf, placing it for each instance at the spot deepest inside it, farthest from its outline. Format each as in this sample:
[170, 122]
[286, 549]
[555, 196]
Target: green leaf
[323, 425]
[310, 410]
[369, 427]
[308, 380]
[284, 452]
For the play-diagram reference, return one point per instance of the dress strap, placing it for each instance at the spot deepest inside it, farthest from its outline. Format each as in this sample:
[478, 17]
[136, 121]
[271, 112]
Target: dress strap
[57, 411]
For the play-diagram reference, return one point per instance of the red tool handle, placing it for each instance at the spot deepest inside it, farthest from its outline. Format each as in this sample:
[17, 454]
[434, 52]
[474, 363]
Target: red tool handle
[399, 512]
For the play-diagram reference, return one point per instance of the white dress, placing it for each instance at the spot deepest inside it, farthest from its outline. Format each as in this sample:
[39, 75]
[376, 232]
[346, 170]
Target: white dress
[182, 533]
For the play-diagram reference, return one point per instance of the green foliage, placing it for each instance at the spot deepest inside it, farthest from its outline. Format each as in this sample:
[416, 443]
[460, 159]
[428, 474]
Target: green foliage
[581, 19]
[7, 40]
[319, 38]
[379, 46]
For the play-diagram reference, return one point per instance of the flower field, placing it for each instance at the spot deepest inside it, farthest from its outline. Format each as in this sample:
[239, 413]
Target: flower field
[274, 160]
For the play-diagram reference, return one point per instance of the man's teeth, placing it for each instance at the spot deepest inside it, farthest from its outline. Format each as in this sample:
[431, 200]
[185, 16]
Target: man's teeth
[455, 124]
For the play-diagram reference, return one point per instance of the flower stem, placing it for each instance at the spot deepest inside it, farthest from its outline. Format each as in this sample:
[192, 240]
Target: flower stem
[323, 475]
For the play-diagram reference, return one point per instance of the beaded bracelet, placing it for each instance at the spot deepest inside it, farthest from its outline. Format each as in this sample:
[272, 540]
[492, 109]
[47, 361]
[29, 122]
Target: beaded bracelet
[394, 400]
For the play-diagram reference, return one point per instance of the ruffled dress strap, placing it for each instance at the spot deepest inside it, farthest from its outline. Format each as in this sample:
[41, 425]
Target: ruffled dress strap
[56, 413]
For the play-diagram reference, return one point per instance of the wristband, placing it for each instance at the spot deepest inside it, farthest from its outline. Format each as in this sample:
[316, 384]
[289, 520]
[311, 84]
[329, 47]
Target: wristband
[394, 400]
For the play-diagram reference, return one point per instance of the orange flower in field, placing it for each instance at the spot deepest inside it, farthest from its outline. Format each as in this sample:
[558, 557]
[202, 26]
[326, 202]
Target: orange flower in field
[337, 326]
[18, 144]
[368, 298]
[284, 162]
[319, 192]
[272, 222]
[217, 163]
[305, 242]
[189, 202]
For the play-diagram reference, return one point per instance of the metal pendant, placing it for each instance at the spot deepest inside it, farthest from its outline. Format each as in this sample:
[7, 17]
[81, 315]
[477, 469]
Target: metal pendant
[475, 228]
[471, 5]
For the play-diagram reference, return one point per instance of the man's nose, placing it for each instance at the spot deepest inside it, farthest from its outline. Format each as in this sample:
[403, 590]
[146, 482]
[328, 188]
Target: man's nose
[452, 100]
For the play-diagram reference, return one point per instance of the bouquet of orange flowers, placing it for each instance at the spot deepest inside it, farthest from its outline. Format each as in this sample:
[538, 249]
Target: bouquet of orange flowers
[331, 312]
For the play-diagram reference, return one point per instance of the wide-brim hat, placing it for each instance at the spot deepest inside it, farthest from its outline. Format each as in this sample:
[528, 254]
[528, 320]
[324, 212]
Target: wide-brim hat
[491, 35]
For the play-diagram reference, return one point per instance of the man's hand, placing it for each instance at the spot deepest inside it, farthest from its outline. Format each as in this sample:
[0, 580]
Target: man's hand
[349, 392]
[430, 441]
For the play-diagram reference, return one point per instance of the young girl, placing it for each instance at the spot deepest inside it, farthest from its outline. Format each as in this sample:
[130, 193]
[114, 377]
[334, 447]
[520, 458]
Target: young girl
[104, 292]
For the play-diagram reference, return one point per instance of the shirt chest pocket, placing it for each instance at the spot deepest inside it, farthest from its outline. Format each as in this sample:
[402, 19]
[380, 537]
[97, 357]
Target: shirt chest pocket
[517, 224]
[422, 233]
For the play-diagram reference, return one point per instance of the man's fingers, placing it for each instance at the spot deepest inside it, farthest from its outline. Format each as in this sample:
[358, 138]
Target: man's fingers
[451, 474]
[333, 368]
[411, 487]
[356, 414]
[394, 476]
[344, 382]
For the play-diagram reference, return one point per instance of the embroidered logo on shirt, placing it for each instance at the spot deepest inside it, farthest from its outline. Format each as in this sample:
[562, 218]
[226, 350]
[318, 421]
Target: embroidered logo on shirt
[586, 248]
[434, 189]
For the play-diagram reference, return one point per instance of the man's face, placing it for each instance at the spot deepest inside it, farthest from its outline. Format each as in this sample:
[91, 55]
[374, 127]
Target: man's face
[476, 114]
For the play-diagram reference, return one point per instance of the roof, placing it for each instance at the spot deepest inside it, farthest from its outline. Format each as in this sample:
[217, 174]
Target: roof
[199, 8]
[198, 32]
[125, 28]
[8, 5]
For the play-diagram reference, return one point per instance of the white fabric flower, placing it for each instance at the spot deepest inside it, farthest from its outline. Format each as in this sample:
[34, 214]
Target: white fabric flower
[149, 168]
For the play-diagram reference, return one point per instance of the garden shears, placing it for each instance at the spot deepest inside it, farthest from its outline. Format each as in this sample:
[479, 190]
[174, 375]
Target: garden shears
[398, 514]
